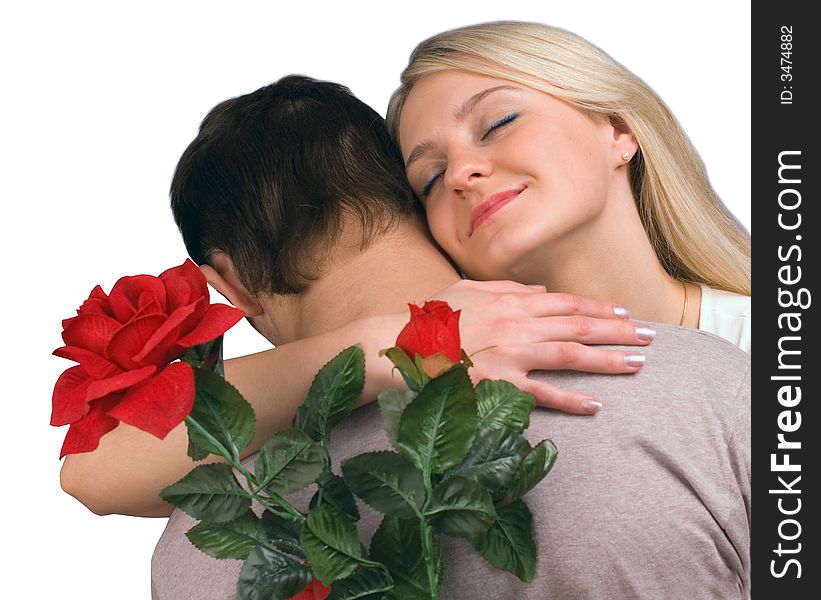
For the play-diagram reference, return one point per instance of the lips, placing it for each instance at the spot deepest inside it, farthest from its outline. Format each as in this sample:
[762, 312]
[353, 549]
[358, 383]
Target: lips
[490, 206]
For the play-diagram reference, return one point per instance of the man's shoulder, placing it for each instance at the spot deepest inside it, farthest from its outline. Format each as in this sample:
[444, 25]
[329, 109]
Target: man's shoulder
[681, 362]
[695, 347]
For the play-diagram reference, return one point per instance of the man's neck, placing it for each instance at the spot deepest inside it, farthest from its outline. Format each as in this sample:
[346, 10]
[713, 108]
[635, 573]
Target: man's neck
[402, 266]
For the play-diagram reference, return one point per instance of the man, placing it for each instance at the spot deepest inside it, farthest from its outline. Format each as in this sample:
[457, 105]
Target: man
[649, 499]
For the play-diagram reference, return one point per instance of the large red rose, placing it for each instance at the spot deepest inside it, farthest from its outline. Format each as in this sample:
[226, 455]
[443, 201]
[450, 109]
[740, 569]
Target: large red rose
[314, 591]
[433, 328]
[125, 343]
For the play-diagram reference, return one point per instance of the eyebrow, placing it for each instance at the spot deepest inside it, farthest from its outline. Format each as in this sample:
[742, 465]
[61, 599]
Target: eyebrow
[459, 115]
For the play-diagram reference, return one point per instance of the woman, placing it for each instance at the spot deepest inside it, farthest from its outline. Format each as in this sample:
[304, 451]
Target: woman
[540, 159]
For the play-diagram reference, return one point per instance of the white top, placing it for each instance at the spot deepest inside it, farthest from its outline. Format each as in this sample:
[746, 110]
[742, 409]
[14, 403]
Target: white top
[727, 315]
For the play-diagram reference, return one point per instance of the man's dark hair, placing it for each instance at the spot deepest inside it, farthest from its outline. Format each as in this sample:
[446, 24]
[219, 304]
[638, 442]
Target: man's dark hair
[272, 176]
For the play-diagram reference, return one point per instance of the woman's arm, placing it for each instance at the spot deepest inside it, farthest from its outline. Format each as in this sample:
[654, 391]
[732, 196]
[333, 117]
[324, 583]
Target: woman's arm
[126, 472]
[508, 328]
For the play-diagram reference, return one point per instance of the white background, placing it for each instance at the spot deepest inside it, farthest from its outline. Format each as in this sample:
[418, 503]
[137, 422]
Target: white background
[100, 99]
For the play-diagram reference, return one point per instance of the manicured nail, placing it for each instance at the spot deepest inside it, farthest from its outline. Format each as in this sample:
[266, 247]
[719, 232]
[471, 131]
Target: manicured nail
[591, 405]
[634, 360]
[645, 333]
[621, 312]
[536, 286]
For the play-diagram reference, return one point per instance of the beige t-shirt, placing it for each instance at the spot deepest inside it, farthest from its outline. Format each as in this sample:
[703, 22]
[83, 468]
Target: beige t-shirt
[649, 498]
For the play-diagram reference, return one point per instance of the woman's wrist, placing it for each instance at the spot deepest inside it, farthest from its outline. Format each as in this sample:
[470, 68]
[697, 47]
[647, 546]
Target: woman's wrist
[376, 333]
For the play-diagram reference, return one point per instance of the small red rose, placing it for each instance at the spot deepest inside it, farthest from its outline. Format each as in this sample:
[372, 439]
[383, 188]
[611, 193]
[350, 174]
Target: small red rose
[432, 329]
[125, 343]
[314, 591]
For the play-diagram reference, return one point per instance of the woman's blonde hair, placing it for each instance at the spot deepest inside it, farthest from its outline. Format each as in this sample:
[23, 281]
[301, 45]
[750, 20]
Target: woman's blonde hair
[694, 235]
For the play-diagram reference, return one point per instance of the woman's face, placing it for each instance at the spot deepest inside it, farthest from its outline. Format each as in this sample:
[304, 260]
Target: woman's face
[503, 169]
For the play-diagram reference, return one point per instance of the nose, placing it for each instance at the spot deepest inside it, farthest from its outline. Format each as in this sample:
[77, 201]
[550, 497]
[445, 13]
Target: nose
[466, 167]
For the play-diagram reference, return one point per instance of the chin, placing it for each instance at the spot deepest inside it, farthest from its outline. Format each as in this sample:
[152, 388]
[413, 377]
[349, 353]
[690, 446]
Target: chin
[488, 270]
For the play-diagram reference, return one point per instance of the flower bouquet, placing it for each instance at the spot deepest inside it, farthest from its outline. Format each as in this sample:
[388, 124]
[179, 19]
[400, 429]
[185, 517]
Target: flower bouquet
[149, 355]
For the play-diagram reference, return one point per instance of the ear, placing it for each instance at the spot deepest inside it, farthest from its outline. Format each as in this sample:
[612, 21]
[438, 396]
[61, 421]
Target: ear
[625, 145]
[221, 275]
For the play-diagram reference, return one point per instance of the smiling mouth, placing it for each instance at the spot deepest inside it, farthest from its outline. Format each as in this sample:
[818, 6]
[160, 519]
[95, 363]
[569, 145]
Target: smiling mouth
[490, 206]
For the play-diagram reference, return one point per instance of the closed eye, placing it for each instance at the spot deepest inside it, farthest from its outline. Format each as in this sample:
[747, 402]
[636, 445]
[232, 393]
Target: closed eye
[499, 124]
[426, 189]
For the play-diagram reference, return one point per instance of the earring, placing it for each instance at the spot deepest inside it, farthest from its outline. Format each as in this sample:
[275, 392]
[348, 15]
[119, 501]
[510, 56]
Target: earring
[625, 155]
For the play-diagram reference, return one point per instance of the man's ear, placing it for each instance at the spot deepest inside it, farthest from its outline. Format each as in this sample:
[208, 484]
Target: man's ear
[221, 275]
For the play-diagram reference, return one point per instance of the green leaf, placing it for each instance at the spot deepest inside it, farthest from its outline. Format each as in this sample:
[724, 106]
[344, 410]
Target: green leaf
[436, 429]
[493, 458]
[333, 394]
[282, 533]
[209, 493]
[331, 544]
[289, 461]
[392, 404]
[206, 356]
[334, 491]
[234, 539]
[367, 583]
[224, 414]
[270, 575]
[461, 507]
[531, 471]
[194, 451]
[508, 544]
[419, 362]
[502, 404]
[387, 481]
[407, 368]
[398, 545]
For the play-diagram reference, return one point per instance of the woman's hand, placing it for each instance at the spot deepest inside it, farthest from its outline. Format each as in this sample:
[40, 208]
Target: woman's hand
[510, 329]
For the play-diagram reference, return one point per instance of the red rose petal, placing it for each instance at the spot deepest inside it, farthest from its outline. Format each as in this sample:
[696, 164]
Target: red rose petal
[178, 292]
[130, 339]
[191, 273]
[97, 294]
[431, 329]
[68, 401]
[132, 293]
[168, 327]
[161, 403]
[315, 590]
[96, 303]
[149, 308]
[200, 308]
[91, 332]
[84, 435]
[122, 307]
[218, 319]
[121, 381]
[436, 305]
[95, 365]
[151, 297]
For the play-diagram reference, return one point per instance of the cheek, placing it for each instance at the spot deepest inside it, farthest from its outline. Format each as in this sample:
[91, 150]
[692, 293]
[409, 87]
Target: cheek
[442, 224]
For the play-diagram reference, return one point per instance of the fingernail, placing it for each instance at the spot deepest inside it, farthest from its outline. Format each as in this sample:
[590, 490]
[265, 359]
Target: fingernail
[621, 312]
[591, 405]
[536, 286]
[645, 333]
[634, 360]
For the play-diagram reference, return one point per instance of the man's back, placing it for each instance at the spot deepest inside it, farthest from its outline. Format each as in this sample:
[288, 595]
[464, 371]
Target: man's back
[650, 498]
